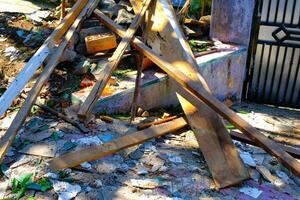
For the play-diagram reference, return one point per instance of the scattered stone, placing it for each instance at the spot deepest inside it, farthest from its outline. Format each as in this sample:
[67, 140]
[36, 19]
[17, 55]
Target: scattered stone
[144, 183]
[3, 187]
[86, 165]
[174, 158]
[68, 56]
[39, 15]
[12, 53]
[65, 191]
[124, 17]
[48, 149]
[253, 192]
[98, 183]
[38, 136]
[82, 67]
[247, 158]
[87, 141]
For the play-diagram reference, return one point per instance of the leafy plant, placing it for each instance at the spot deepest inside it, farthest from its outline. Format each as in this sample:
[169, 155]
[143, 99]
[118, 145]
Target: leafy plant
[24, 182]
[20, 185]
[45, 184]
[63, 174]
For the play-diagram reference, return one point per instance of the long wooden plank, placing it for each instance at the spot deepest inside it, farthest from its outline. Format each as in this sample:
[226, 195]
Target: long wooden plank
[295, 152]
[38, 58]
[114, 61]
[216, 145]
[185, 82]
[95, 152]
[8, 138]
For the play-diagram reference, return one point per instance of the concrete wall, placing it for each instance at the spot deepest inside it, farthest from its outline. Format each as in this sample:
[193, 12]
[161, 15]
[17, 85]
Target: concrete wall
[231, 20]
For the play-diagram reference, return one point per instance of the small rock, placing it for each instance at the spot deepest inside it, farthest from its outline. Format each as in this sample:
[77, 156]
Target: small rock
[98, 183]
[124, 17]
[66, 191]
[247, 158]
[144, 183]
[86, 165]
[87, 141]
[68, 56]
[82, 67]
[175, 159]
[12, 53]
[253, 192]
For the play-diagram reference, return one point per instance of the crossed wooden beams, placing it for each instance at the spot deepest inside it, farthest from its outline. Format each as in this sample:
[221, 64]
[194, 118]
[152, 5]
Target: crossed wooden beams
[196, 97]
[193, 93]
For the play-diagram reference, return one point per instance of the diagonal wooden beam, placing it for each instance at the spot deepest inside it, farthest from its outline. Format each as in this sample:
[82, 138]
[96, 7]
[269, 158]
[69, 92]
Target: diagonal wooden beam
[95, 152]
[216, 145]
[114, 61]
[39, 57]
[10, 135]
[201, 94]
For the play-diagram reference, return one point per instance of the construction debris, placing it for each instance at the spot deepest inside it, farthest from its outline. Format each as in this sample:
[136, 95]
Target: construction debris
[102, 42]
[87, 153]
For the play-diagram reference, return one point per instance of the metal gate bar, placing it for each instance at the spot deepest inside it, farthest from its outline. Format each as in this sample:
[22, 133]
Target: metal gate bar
[273, 67]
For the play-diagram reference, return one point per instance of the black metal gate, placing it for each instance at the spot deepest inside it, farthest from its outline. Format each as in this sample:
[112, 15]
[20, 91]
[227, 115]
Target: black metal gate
[274, 61]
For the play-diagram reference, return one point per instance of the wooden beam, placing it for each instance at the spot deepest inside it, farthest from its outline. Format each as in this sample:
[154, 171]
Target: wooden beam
[8, 138]
[92, 153]
[62, 9]
[38, 58]
[293, 151]
[114, 61]
[270, 146]
[216, 145]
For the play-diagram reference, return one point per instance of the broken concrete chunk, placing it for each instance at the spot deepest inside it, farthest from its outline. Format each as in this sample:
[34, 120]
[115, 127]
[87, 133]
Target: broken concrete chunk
[65, 191]
[87, 141]
[252, 192]
[124, 17]
[247, 158]
[42, 149]
[82, 67]
[68, 56]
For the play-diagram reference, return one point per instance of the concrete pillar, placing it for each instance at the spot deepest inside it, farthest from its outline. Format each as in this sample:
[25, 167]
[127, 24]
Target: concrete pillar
[231, 20]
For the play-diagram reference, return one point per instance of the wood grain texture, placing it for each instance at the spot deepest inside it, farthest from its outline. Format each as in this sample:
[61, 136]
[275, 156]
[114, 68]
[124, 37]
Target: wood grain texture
[92, 98]
[185, 82]
[95, 152]
[10, 135]
[38, 58]
[215, 143]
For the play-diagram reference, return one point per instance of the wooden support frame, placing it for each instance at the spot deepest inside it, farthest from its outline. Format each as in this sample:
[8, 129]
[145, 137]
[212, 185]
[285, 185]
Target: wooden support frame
[39, 57]
[114, 61]
[201, 95]
[8, 138]
[73, 159]
[216, 145]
